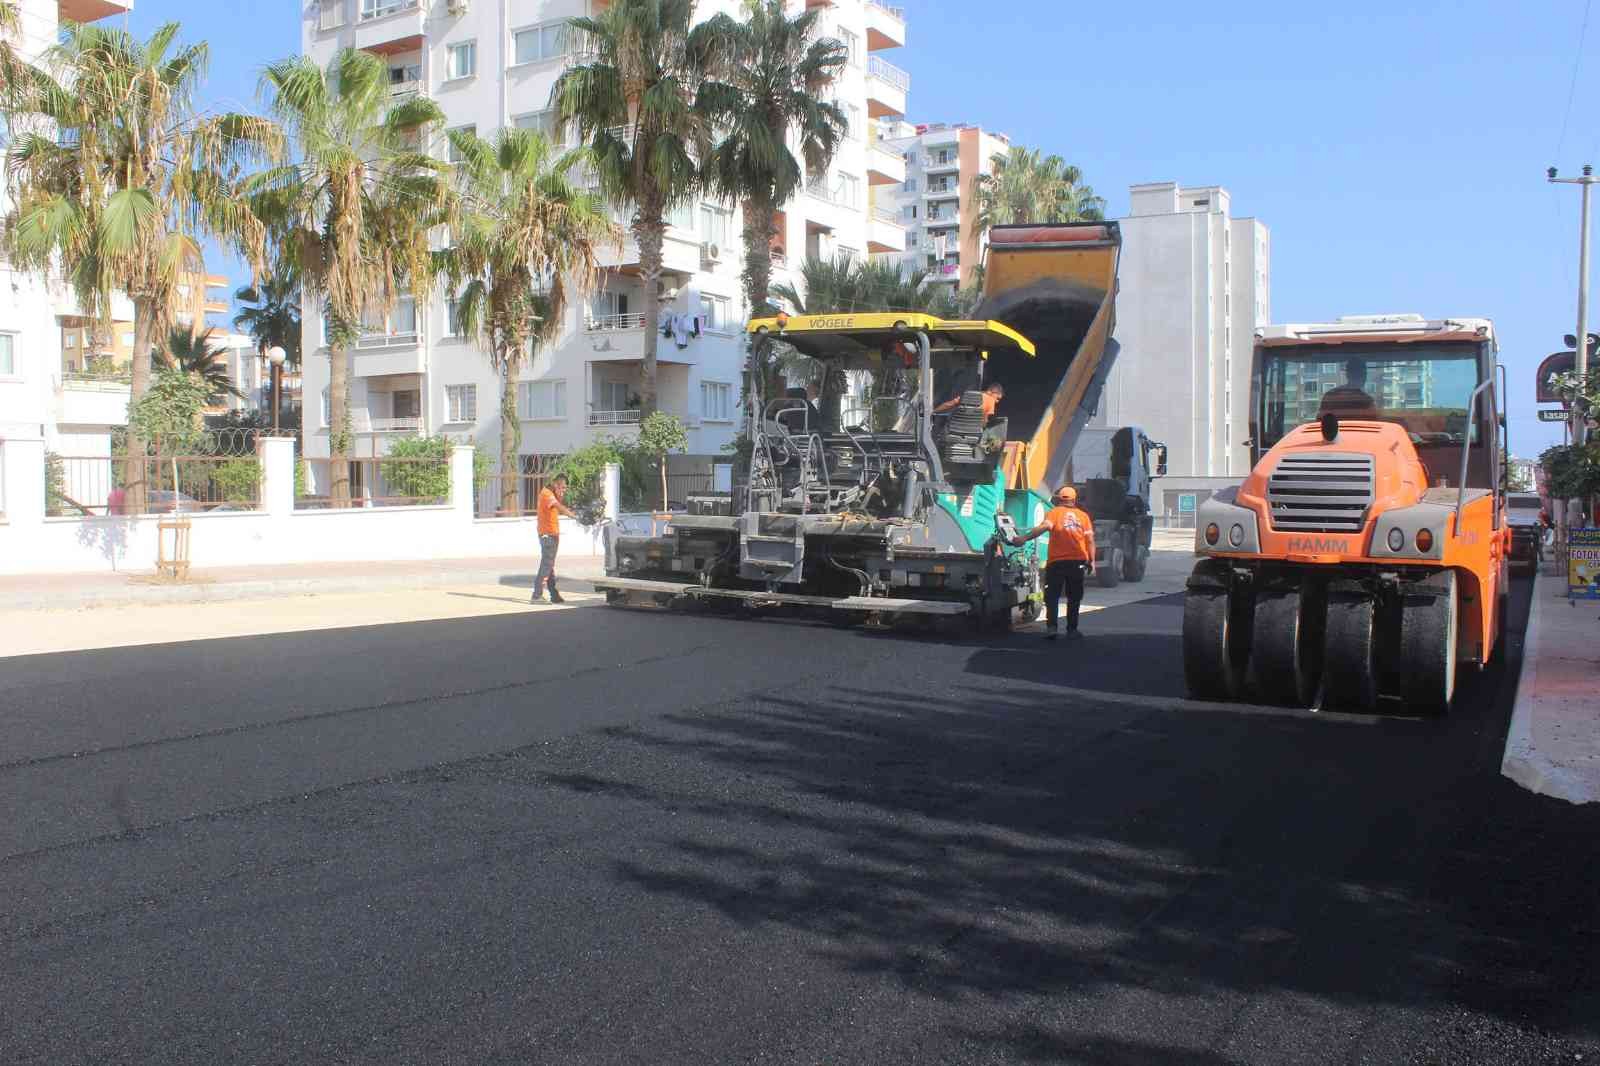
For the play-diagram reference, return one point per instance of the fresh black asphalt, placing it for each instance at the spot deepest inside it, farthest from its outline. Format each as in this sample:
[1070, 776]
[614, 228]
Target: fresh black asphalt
[599, 836]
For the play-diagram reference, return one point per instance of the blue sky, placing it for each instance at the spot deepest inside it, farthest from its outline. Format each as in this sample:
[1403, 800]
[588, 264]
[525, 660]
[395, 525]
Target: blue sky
[1396, 151]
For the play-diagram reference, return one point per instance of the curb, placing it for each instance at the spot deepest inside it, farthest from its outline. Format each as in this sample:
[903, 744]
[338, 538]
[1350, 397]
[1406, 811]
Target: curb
[1522, 761]
[155, 593]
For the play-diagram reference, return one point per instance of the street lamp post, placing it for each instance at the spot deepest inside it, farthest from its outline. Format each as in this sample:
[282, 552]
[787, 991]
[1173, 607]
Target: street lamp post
[1580, 362]
[276, 356]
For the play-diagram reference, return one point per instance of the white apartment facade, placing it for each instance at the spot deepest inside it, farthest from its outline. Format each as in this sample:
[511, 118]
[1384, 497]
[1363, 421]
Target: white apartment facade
[42, 401]
[936, 201]
[1194, 284]
[491, 64]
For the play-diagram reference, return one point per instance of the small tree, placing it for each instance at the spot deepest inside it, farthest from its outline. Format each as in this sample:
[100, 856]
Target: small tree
[169, 416]
[428, 480]
[660, 434]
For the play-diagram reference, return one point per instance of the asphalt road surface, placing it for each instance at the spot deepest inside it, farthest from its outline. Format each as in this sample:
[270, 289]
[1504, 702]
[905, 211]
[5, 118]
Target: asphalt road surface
[598, 836]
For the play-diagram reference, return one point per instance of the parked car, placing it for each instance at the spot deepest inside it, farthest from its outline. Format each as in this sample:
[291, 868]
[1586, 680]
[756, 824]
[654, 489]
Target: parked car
[1527, 531]
[165, 501]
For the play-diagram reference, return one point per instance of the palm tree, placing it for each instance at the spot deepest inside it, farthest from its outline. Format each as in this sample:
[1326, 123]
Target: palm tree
[195, 355]
[770, 90]
[271, 314]
[1024, 186]
[638, 104]
[525, 240]
[353, 215]
[117, 175]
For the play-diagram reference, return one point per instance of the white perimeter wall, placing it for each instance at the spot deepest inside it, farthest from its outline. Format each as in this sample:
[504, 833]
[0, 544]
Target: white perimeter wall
[276, 535]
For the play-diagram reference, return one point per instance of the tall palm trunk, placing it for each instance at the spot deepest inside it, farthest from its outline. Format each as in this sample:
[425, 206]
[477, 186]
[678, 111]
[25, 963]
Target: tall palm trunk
[650, 232]
[510, 437]
[758, 216]
[339, 425]
[134, 476]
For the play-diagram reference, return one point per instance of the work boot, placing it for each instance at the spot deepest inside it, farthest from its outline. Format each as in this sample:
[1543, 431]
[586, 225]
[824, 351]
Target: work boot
[555, 597]
[1073, 634]
[1049, 632]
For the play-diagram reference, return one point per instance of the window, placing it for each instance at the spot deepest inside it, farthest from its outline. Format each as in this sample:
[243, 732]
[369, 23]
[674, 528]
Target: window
[71, 338]
[406, 404]
[852, 46]
[450, 151]
[462, 61]
[910, 185]
[718, 311]
[538, 43]
[327, 415]
[852, 122]
[546, 122]
[716, 225]
[847, 190]
[8, 355]
[607, 304]
[452, 317]
[461, 402]
[403, 319]
[127, 339]
[613, 396]
[542, 400]
[405, 77]
[330, 14]
[716, 401]
[911, 210]
[681, 216]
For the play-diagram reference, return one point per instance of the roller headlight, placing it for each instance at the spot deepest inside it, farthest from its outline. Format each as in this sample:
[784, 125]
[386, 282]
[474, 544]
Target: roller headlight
[1424, 540]
[1397, 539]
[1212, 533]
[1236, 535]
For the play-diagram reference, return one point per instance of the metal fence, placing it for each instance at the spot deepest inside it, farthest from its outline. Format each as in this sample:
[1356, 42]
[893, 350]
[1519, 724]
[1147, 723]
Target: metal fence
[86, 485]
[321, 484]
[522, 489]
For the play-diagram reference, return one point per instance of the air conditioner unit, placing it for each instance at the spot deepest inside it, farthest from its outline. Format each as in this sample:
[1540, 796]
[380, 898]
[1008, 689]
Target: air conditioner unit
[711, 251]
[669, 293]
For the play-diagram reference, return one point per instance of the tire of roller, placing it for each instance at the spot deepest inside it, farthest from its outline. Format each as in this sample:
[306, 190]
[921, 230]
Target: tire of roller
[1215, 649]
[1428, 643]
[1350, 652]
[1286, 646]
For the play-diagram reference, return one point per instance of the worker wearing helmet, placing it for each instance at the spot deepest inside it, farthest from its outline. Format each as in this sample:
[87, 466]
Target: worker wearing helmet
[1070, 560]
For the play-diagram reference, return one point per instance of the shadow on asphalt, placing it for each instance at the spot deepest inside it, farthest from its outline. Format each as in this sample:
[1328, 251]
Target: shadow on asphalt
[998, 841]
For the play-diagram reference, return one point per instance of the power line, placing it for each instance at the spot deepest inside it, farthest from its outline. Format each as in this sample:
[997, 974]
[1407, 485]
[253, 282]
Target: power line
[1572, 87]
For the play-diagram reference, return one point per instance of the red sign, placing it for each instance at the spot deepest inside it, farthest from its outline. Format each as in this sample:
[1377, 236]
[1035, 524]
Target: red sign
[1554, 363]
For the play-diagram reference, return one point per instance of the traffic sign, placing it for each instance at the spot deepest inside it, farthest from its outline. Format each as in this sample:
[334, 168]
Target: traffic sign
[1551, 414]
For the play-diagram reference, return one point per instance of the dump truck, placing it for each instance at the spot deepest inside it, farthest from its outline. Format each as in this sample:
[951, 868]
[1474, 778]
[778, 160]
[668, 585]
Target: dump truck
[1365, 556]
[1112, 469]
[884, 509]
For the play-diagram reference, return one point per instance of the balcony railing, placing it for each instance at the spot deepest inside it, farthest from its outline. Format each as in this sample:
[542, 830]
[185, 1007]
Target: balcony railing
[397, 425]
[610, 323]
[386, 8]
[98, 379]
[897, 12]
[884, 214]
[629, 417]
[888, 72]
[387, 340]
[400, 90]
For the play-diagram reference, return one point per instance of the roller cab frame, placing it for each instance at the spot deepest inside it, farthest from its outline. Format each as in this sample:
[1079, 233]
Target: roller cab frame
[1364, 559]
[861, 511]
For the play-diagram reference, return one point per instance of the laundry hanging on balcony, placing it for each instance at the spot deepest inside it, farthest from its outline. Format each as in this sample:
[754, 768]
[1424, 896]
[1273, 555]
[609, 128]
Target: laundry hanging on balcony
[681, 328]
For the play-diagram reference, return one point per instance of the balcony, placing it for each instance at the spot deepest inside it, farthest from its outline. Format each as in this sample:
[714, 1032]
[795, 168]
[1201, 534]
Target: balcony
[376, 357]
[885, 231]
[887, 86]
[885, 166]
[679, 255]
[363, 422]
[886, 26]
[388, 27]
[405, 90]
[952, 191]
[81, 11]
[92, 400]
[935, 165]
[630, 417]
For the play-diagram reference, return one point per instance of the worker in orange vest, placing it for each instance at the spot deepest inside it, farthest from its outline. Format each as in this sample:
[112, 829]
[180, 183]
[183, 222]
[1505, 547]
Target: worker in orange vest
[552, 506]
[1071, 557]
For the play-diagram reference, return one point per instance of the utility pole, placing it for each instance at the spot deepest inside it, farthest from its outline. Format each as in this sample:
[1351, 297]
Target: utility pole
[1580, 364]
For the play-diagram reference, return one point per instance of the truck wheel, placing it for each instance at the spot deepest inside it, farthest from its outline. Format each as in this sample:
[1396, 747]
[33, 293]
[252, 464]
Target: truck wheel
[1286, 646]
[1215, 649]
[1350, 652]
[1428, 643]
[1109, 576]
[1137, 561]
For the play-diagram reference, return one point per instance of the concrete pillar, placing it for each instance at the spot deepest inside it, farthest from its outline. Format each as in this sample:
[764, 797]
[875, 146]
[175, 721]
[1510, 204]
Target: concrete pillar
[461, 489]
[22, 480]
[613, 490]
[276, 455]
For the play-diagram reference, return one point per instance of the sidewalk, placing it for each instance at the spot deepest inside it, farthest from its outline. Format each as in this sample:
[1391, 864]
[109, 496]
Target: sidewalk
[76, 591]
[1553, 745]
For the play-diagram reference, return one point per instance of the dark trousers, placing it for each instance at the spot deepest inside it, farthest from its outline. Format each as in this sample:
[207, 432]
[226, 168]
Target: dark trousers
[548, 542]
[1062, 576]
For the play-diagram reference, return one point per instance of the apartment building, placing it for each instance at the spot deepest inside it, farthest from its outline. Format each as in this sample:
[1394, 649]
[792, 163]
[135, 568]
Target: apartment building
[44, 396]
[491, 64]
[1195, 283]
[936, 201]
